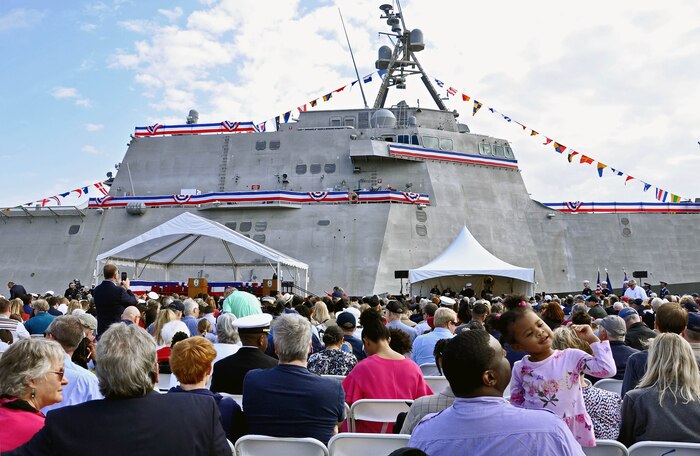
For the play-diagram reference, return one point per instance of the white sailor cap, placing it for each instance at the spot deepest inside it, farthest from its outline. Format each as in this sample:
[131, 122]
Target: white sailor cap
[447, 301]
[253, 323]
[268, 299]
[48, 293]
[152, 295]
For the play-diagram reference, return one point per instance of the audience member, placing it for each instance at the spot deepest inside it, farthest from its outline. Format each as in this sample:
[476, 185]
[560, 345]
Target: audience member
[553, 315]
[190, 315]
[111, 297]
[31, 377]
[333, 360]
[384, 374]
[692, 332]
[429, 309]
[666, 403]
[288, 400]
[131, 316]
[41, 319]
[229, 372]
[127, 373]
[191, 363]
[445, 321]
[400, 342]
[637, 332]
[613, 329]
[478, 372]
[394, 311]
[15, 327]
[348, 323]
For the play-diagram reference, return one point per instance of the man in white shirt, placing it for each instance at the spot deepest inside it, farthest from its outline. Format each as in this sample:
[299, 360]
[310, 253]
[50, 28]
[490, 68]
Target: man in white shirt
[635, 292]
[15, 327]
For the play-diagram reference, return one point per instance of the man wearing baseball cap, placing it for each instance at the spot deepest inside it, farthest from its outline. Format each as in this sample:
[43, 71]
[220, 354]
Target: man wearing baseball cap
[613, 329]
[637, 332]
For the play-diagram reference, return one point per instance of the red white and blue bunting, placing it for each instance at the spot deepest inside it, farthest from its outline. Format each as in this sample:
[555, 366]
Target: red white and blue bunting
[441, 155]
[382, 196]
[98, 188]
[578, 207]
[197, 129]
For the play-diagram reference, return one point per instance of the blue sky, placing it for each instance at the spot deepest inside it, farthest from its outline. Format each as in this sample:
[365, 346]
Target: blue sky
[617, 82]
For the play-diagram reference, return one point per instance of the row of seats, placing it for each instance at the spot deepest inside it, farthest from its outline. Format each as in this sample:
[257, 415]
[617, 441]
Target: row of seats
[614, 448]
[343, 444]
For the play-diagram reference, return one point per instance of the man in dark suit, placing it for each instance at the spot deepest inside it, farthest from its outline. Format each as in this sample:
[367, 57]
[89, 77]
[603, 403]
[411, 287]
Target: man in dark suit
[111, 298]
[16, 290]
[133, 418]
[229, 372]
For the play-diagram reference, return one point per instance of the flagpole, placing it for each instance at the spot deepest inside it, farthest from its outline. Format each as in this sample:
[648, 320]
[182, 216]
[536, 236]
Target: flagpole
[359, 81]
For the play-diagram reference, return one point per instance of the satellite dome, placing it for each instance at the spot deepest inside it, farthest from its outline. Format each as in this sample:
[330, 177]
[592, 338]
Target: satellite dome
[417, 42]
[383, 118]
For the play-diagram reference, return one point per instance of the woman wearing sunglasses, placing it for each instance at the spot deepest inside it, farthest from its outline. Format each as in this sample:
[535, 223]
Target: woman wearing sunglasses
[31, 377]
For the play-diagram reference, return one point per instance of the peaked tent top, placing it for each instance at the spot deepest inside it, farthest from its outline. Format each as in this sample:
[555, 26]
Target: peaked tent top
[466, 256]
[187, 224]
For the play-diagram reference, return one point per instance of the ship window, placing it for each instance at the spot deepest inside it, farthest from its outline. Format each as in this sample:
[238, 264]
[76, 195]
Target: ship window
[485, 149]
[414, 140]
[301, 169]
[231, 225]
[259, 238]
[335, 122]
[324, 222]
[73, 229]
[329, 168]
[245, 227]
[445, 144]
[274, 145]
[421, 216]
[421, 230]
[430, 142]
[315, 168]
[402, 139]
[349, 122]
[389, 138]
[260, 226]
[509, 152]
[499, 151]
[260, 145]
[363, 120]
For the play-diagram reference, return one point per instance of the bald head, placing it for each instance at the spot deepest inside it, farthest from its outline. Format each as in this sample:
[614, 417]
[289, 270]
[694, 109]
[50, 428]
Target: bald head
[131, 313]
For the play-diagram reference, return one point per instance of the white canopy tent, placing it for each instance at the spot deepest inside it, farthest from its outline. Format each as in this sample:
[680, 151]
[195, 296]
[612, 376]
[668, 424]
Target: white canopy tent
[171, 245]
[467, 261]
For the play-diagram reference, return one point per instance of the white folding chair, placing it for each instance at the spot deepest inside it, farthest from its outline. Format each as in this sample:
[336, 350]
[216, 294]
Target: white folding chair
[609, 384]
[263, 445]
[340, 378]
[236, 397]
[232, 446]
[378, 410]
[664, 448]
[606, 448]
[351, 444]
[437, 383]
[429, 369]
[163, 382]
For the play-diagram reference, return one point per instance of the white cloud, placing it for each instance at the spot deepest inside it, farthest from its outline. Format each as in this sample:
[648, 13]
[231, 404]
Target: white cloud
[93, 127]
[87, 27]
[19, 19]
[92, 150]
[171, 15]
[71, 93]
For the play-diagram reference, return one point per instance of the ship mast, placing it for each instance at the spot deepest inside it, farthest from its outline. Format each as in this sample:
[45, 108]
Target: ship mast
[402, 61]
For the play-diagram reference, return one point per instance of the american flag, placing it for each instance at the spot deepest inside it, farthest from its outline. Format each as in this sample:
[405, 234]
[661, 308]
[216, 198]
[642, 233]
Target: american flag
[598, 286]
[452, 91]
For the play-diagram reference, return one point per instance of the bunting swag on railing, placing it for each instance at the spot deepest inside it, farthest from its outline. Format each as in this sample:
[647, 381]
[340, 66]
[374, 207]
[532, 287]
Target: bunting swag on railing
[266, 197]
[661, 194]
[98, 188]
[578, 207]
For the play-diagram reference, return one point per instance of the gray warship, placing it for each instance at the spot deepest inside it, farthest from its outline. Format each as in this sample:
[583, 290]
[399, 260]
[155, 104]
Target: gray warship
[357, 194]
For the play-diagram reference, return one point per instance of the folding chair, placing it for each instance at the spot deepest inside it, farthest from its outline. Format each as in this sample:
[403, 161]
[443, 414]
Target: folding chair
[437, 383]
[163, 382]
[429, 369]
[664, 448]
[351, 444]
[606, 448]
[609, 384]
[378, 410]
[236, 397]
[262, 445]
[340, 378]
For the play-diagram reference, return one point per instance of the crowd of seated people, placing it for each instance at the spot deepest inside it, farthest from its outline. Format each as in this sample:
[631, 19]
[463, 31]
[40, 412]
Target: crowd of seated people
[57, 368]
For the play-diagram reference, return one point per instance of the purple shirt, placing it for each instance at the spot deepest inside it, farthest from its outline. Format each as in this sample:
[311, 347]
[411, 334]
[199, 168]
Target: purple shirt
[490, 425]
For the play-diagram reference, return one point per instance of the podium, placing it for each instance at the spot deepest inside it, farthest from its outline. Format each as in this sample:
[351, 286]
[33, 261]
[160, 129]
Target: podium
[197, 286]
[270, 287]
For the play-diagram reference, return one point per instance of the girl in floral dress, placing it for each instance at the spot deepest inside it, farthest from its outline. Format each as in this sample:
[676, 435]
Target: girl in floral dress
[548, 378]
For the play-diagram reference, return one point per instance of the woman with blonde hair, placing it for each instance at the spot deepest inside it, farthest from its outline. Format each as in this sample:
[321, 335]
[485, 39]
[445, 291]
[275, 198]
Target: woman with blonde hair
[73, 305]
[666, 403]
[164, 316]
[16, 310]
[322, 316]
[604, 407]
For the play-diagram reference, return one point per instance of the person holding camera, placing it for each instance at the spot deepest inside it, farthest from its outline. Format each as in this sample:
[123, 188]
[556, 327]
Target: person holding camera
[111, 297]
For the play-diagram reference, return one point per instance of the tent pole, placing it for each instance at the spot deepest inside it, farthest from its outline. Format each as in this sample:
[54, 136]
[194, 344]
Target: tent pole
[234, 265]
[279, 278]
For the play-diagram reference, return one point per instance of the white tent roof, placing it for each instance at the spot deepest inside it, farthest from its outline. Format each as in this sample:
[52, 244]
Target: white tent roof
[167, 243]
[466, 256]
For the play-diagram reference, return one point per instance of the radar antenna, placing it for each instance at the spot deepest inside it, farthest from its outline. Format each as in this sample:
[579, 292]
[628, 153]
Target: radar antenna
[402, 61]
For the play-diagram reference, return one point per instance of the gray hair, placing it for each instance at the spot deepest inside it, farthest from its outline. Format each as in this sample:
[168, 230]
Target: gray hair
[25, 360]
[41, 305]
[128, 362]
[443, 316]
[226, 333]
[67, 331]
[190, 305]
[579, 308]
[166, 301]
[292, 337]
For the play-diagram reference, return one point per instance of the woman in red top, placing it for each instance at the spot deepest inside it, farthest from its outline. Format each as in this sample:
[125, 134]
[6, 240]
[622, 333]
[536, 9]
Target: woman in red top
[31, 377]
[384, 374]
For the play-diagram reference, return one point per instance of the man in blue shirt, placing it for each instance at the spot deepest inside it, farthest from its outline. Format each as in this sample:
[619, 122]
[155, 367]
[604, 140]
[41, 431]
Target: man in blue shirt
[41, 319]
[445, 321]
[394, 311]
[481, 421]
[288, 400]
